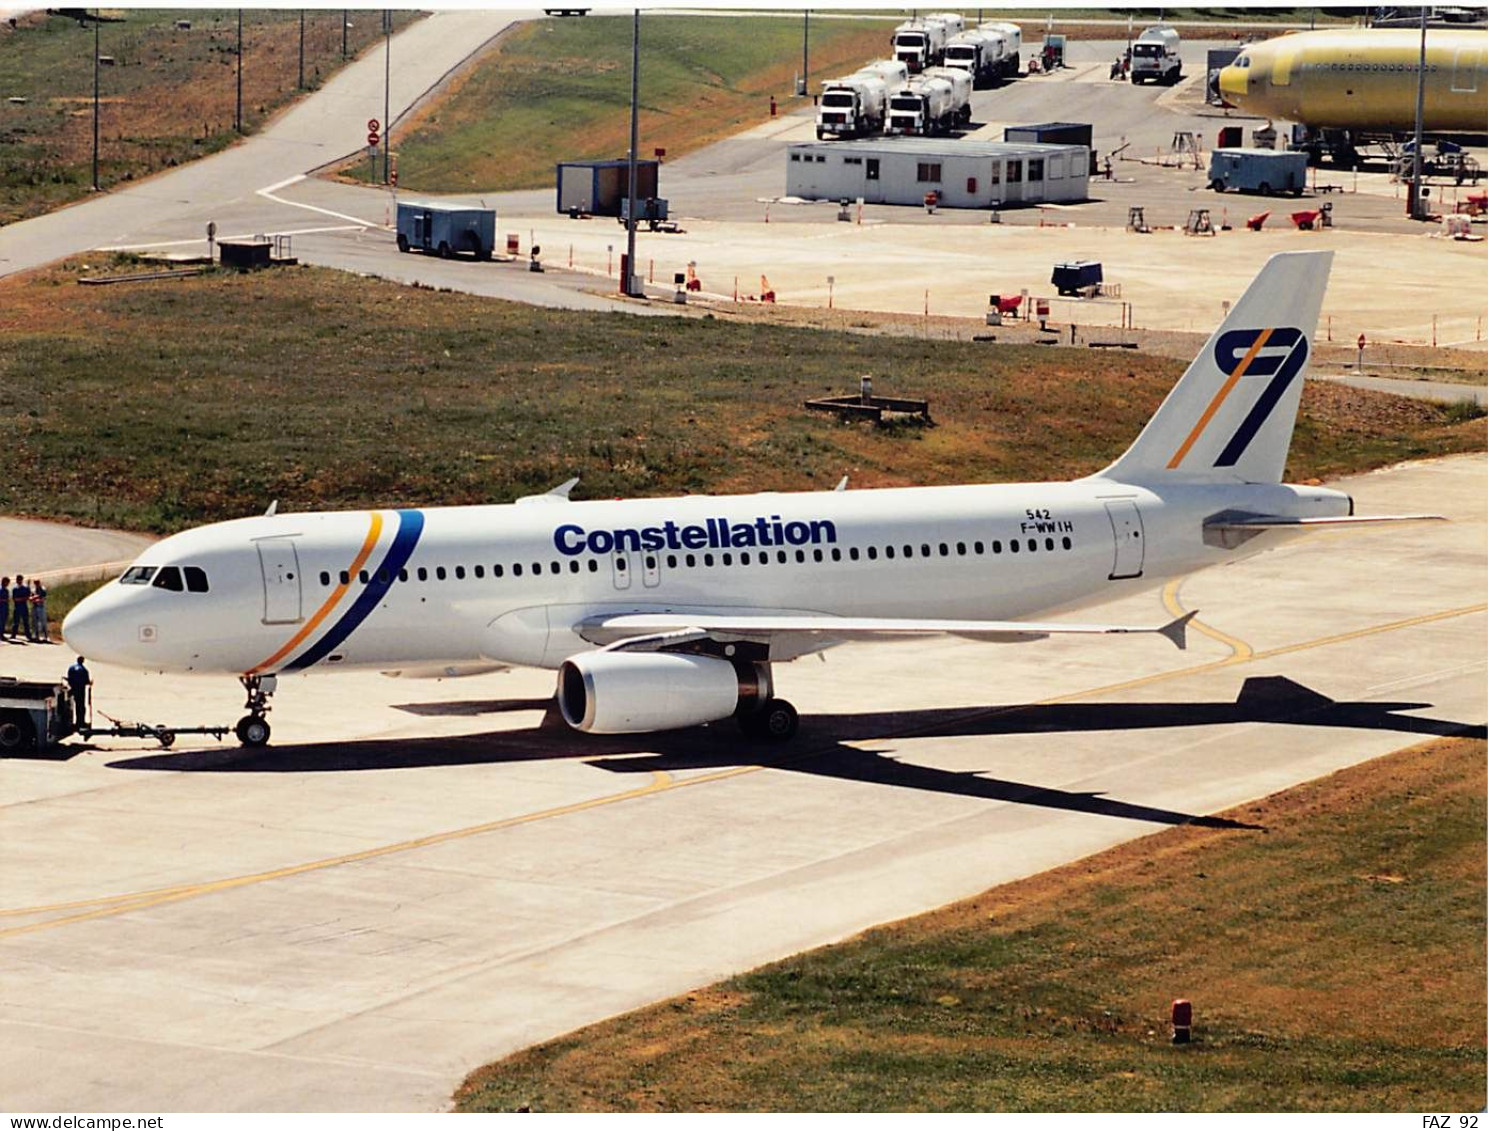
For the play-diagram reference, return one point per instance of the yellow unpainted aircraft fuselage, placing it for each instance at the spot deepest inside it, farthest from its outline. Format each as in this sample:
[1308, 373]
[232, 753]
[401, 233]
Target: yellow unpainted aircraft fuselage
[1364, 79]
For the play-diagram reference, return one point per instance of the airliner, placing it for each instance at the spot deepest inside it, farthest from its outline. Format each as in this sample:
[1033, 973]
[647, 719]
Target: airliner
[674, 612]
[1365, 79]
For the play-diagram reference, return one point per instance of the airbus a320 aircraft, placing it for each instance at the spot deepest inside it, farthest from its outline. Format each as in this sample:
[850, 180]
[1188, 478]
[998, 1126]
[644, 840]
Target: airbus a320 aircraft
[663, 613]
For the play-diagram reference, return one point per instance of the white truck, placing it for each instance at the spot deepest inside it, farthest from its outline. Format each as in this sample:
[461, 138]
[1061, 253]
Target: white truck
[1155, 57]
[980, 54]
[1012, 51]
[852, 106]
[892, 71]
[930, 103]
[920, 43]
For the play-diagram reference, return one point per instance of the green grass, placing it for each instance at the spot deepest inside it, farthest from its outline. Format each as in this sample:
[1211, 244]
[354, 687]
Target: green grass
[168, 98]
[1335, 960]
[161, 405]
[559, 90]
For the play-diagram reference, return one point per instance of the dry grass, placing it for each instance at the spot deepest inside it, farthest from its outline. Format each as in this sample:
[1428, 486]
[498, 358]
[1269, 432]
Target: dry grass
[169, 96]
[1334, 956]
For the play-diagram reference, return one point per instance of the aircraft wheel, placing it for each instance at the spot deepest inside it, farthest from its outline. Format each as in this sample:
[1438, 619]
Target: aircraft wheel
[253, 730]
[776, 721]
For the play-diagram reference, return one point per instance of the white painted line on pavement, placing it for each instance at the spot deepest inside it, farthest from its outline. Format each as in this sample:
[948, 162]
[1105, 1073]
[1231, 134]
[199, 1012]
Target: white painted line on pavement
[285, 183]
[237, 236]
[267, 194]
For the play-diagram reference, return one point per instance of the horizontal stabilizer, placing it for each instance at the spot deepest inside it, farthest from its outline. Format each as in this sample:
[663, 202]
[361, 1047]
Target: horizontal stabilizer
[1234, 528]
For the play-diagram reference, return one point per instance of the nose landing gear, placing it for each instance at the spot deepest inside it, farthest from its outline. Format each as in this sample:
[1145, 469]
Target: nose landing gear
[253, 728]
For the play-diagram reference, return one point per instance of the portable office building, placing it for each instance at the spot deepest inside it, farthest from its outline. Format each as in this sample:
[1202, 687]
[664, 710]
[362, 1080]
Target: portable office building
[962, 174]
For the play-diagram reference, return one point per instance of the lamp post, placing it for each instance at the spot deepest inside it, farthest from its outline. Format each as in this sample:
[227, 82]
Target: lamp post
[806, 51]
[238, 113]
[96, 49]
[1418, 160]
[301, 84]
[635, 130]
[387, 95]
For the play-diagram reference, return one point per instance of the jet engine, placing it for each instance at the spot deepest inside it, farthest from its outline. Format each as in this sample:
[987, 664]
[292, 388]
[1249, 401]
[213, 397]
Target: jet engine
[635, 692]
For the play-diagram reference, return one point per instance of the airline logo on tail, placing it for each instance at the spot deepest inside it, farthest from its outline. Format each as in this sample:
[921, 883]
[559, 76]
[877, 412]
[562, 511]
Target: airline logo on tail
[1277, 352]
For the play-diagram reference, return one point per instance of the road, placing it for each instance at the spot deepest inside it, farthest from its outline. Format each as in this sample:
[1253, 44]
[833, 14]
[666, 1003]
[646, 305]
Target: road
[424, 876]
[57, 552]
[327, 125]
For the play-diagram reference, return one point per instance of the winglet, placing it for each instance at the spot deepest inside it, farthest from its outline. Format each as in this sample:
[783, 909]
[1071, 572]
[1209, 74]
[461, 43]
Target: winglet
[1177, 630]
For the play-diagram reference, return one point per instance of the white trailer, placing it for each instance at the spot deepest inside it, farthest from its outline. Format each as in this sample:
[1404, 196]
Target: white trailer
[1012, 37]
[852, 106]
[893, 72]
[930, 103]
[980, 54]
[920, 43]
[955, 23]
[1155, 57]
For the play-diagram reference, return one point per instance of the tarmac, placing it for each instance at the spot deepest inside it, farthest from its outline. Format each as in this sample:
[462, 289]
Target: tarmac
[420, 877]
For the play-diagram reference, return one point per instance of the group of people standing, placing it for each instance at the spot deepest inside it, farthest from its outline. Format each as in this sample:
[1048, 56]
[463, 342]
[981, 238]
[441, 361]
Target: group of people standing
[23, 610]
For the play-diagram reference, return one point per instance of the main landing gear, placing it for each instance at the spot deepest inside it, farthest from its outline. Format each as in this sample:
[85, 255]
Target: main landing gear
[775, 721]
[253, 728]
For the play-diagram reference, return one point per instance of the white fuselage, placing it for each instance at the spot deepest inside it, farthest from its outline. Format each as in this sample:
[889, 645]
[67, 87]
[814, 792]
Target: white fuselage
[511, 584]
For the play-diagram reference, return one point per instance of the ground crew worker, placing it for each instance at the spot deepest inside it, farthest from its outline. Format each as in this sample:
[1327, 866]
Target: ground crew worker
[39, 628]
[78, 682]
[20, 606]
[4, 605]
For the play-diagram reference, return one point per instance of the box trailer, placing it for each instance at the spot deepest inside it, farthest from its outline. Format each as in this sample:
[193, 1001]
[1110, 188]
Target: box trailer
[596, 188]
[1264, 171]
[1052, 133]
[446, 230]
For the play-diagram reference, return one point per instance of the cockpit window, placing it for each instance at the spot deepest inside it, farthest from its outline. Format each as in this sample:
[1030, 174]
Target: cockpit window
[196, 578]
[137, 575]
[169, 577]
[1243, 61]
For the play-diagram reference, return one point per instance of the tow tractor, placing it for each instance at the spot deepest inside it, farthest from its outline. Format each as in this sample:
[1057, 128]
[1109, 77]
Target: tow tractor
[36, 715]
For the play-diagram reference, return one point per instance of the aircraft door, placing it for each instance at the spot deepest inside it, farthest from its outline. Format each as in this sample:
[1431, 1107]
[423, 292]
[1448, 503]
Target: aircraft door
[651, 569]
[1126, 530]
[281, 579]
[1465, 70]
[623, 567]
[1281, 70]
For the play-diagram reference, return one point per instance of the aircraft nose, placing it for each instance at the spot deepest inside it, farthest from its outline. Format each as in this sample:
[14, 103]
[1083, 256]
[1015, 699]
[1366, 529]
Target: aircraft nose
[94, 627]
[1233, 83]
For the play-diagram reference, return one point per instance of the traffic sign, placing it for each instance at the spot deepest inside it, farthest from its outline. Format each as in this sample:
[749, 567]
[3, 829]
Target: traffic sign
[1361, 341]
[372, 138]
[373, 125]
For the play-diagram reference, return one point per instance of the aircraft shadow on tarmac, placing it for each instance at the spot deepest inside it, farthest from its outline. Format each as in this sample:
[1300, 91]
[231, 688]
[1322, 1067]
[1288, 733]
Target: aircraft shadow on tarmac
[825, 738]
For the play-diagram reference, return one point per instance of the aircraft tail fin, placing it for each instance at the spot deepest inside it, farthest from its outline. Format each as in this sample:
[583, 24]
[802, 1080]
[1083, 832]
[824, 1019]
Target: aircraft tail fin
[1230, 416]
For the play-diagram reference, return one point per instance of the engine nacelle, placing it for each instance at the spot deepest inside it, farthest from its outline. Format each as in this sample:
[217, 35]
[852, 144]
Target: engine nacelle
[635, 692]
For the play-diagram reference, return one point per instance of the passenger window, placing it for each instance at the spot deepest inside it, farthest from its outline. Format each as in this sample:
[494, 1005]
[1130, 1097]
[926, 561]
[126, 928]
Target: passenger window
[459, 573]
[925, 551]
[537, 568]
[345, 578]
[440, 573]
[1048, 543]
[836, 554]
[196, 579]
[620, 563]
[573, 567]
[423, 574]
[888, 551]
[1012, 545]
[945, 551]
[169, 577]
[1032, 545]
[671, 561]
[873, 553]
[728, 559]
[977, 546]
[996, 547]
[402, 575]
[817, 554]
[780, 556]
[554, 567]
[363, 577]
[516, 569]
[593, 565]
[1068, 545]
[325, 578]
[744, 558]
[961, 548]
[691, 560]
[708, 560]
[480, 571]
[853, 553]
[382, 577]
[909, 551]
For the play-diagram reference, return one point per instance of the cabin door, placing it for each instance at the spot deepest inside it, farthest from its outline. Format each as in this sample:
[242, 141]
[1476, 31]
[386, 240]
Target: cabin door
[624, 568]
[281, 580]
[1126, 530]
[1465, 71]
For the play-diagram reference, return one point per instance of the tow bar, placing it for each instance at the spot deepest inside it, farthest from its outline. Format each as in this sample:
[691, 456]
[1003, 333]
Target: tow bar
[165, 735]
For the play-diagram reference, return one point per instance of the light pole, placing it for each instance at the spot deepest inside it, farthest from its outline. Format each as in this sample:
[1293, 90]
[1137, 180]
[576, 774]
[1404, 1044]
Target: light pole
[301, 85]
[387, 95]
[635, 132]
[238, 113]
[96, 49]
[345, 23]
[806, 51]
[1418, 160]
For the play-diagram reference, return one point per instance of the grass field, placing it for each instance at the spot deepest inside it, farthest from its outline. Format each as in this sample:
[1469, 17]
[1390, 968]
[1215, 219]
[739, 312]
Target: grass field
[168, 97]
[559, 90]
[161, 405]
[1334, 957]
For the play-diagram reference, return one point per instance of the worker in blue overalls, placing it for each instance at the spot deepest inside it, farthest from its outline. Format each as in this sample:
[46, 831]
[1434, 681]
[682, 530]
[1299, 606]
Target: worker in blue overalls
[20, 605]
[79, 679]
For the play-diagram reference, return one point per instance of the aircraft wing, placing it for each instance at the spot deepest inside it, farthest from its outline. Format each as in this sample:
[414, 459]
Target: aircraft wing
[790, 635]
